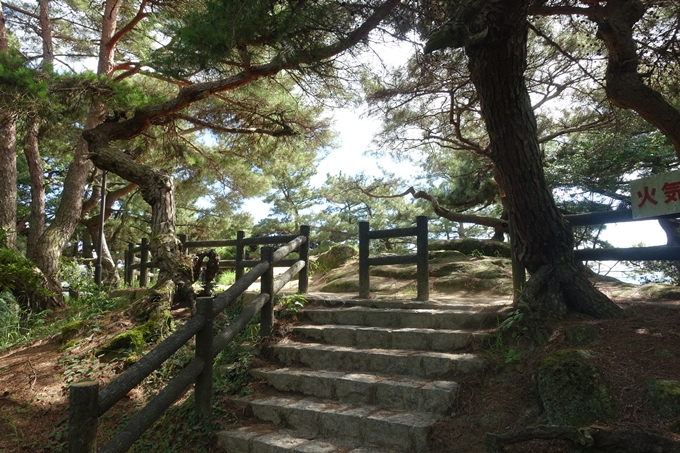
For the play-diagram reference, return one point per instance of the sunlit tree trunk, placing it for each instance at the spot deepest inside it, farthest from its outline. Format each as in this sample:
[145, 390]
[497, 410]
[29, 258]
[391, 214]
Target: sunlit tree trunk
[36, 173]
[544, 241]
[8, 161]
[67, 217]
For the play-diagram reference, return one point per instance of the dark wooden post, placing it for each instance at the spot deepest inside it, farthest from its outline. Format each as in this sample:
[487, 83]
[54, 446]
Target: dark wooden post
[239, 254]
[422, 259]
[267, 287]
[519, 275]
[364, 279]
[303, 279]
[204, 350]
[129, 259]
[82, 417]
[183, 240]
[143, 259]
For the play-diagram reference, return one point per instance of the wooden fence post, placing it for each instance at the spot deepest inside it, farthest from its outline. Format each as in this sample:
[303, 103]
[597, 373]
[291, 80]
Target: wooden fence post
[143, 259]
[364, 278]
[82, 417]
[422, 259]
[183, 239]
[204, 341]
[239, 254]
[129, 260]
[303, 279]
[267, 287]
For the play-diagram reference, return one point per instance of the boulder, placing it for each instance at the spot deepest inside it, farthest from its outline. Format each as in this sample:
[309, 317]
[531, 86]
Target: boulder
[335, 257]
[573, 391]
[664, 395]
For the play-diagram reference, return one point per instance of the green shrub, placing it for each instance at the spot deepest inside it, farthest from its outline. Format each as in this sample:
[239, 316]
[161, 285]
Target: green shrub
[22, 278]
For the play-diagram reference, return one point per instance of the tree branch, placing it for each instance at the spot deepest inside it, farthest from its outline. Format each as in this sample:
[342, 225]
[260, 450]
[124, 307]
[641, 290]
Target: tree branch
[284, 131]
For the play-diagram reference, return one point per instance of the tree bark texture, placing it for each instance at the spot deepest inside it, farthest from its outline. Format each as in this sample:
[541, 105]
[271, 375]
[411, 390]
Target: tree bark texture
[8, 162]
[36, 173]
[544, 240]
[625, 87]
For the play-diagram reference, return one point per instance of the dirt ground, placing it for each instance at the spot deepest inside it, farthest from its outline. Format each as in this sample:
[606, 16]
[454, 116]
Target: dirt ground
[645, 343]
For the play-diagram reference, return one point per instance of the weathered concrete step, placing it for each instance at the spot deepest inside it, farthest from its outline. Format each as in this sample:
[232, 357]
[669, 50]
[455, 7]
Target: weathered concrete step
[424, 364]
[361, 425]
[396, 318]
[470, 304]
[265, 439]
[412, 394]
[388, 338]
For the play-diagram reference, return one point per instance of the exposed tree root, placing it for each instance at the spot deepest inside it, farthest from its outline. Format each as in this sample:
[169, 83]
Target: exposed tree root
[586, 440]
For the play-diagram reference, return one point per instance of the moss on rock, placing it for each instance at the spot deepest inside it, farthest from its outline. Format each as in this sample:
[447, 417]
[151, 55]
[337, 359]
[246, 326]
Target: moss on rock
[70, 330]
[582, 335]
[397, 271]
[335, 257]
[573, 391]
[473, 246]
[660, 291]
[664, 395]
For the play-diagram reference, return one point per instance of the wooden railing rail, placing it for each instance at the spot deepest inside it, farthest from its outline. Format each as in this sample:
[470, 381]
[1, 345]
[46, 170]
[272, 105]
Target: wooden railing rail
[239, 264]
[420, 258]
[87, 403]
[663, 252]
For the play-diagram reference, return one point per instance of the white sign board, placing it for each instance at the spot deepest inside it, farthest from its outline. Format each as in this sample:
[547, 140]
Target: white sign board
[656, 195]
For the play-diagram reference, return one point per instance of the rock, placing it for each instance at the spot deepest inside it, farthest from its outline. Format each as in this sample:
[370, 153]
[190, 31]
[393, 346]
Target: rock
[396, 271]
[335, 257]
[665, 396]
[459, 282]
[661, 291]
[351, 285]
[573, 391]
[582, 335]
[474, 247]
[446, 256]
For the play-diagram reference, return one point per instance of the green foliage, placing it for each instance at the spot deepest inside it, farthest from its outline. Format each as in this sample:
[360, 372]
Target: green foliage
[289, 306]
[10, 321]
[19, 276]
[505, 346]
[226, 277]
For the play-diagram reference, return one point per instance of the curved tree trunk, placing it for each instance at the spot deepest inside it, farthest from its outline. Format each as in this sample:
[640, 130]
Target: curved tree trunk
[544, 241]
[158, 191]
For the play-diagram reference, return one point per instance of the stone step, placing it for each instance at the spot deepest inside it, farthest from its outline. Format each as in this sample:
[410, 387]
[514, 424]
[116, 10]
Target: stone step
[265, 439]
[398, 319]
[423, 364]
[360, 425]
[387, 338]
[391, 392]
[485, 304]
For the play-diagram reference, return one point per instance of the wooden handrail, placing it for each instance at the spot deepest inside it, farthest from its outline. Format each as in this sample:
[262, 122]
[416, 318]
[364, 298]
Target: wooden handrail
[87, 403]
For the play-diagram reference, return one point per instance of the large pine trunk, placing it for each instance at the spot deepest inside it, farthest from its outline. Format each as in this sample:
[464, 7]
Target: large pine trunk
[543, 239]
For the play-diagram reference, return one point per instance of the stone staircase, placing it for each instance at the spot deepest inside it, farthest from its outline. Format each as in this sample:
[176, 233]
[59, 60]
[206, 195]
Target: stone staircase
[366, 376]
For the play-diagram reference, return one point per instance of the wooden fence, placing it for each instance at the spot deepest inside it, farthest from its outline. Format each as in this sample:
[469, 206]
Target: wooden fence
[87, 403]
[518, 272]
[420, 258]
[662, 252]
[239, 264]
